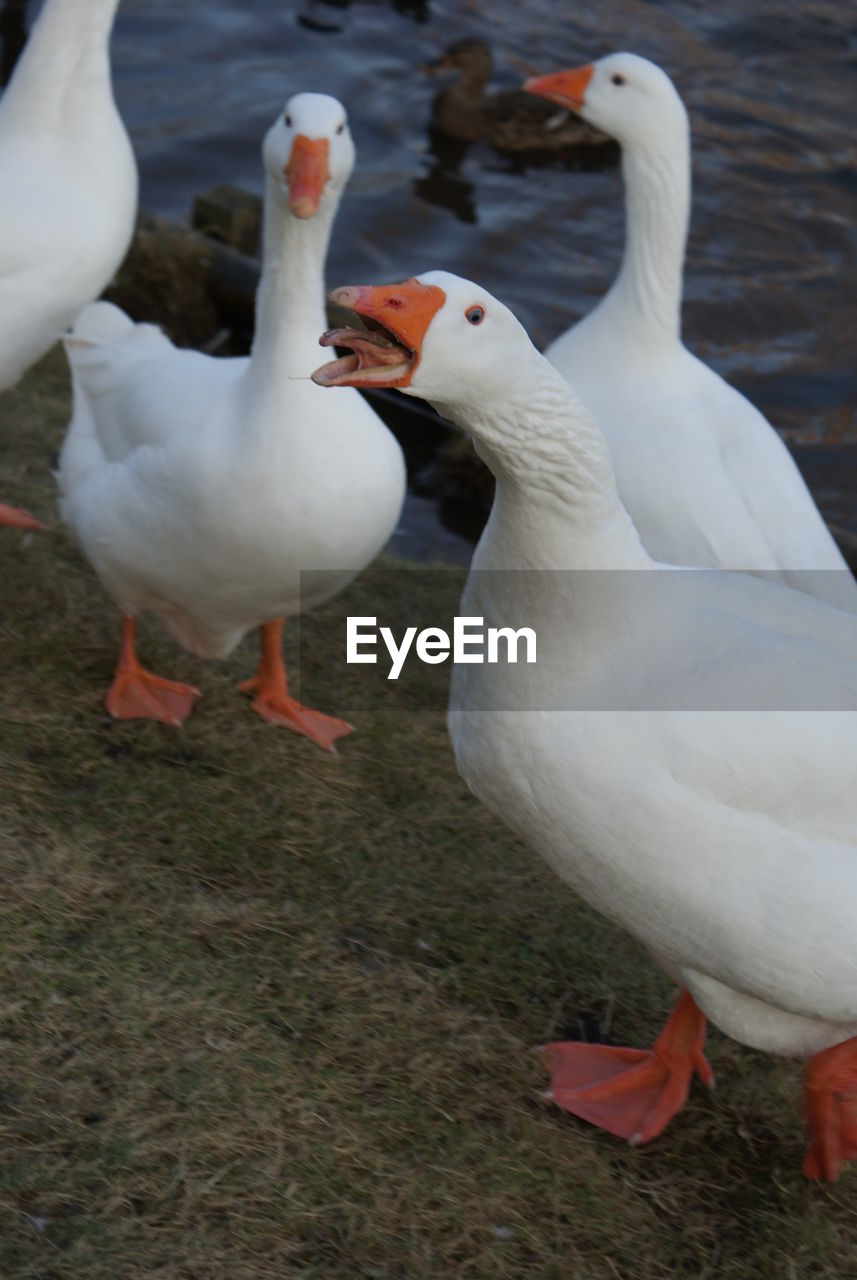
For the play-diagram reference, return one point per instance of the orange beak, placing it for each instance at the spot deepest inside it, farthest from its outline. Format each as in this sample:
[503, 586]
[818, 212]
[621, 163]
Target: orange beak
[568, 88]
[307, 173]
[387, 352]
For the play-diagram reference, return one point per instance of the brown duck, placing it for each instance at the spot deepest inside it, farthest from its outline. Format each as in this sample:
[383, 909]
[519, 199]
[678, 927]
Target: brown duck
[510, 119]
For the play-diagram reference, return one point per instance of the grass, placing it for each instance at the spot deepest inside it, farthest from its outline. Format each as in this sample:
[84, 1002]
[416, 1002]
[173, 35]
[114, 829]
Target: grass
[271, 1014]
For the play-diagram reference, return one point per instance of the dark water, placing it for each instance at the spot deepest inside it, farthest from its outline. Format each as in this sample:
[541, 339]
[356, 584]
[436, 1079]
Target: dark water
[771, 279]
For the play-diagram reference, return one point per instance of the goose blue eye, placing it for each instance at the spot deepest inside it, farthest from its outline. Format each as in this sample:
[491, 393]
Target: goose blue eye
[475, 315]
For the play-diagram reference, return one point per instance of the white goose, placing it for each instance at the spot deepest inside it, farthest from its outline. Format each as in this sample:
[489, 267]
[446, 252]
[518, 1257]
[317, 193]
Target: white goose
[705, 478]
[69, 192]
[200, 488]
[724, 840]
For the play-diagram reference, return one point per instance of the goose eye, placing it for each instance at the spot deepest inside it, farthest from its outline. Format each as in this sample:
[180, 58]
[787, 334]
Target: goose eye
[617, 79]
[288, 120]
[341, 127]
[475, 315]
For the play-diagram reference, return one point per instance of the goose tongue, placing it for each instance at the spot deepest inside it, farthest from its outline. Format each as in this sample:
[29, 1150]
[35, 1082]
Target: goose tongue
[374, 358]
[387, 351]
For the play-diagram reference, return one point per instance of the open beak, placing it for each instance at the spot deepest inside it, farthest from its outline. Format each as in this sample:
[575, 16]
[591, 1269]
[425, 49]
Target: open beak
[568, 88]
[307, 173]
[387, 351]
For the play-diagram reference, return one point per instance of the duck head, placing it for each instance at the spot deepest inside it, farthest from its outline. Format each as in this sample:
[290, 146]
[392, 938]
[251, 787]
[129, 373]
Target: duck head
[472, 58]
[625, 95]
[436, 336]
[308, 153]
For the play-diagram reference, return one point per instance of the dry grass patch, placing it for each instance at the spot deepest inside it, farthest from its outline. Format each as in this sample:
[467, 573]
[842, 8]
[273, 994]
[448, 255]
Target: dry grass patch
[271, 1014]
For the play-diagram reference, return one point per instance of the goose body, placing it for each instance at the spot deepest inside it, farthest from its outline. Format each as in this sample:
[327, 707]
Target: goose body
[704, 476]
[200, 488]
[69, 193]
[68, 198]
[689, 771]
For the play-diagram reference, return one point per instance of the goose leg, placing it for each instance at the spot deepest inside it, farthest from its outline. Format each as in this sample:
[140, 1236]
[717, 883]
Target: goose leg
[137, 694]
[633, 1093]
[272, 699]
[830, 1106]
[18, 518]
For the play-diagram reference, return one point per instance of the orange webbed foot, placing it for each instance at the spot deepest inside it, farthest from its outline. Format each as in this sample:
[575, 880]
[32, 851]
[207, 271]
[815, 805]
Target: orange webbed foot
[140, 695]
[272, 701]
[18, 518]
[275, 706]
[632, 1093]
[137, 694]
[830, 1105]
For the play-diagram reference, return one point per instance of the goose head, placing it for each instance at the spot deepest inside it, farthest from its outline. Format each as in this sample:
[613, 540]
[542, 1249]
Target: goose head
[450, 342]
[435, 336]
[308, 153]
[625, 95]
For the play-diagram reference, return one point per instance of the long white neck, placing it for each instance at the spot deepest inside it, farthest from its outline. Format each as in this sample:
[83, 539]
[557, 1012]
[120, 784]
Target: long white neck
[64, 70]
[646, 295]
[290, 307]
[556, 504]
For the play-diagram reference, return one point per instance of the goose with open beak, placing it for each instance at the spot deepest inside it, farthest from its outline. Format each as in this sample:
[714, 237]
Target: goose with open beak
[724, 840]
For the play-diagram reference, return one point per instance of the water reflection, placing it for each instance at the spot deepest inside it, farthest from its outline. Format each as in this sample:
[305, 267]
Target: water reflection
[322, 16]
[443, 185]
[329, 17]
[416, 9]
